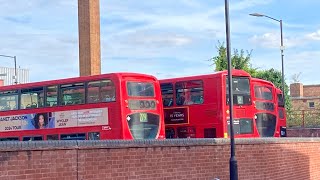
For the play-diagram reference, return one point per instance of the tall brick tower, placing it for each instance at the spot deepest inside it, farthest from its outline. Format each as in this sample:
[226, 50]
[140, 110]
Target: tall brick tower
[89, 37]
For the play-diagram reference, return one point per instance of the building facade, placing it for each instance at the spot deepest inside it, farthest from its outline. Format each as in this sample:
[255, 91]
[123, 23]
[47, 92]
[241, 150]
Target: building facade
[8, 76]
[305, 100]
[305, 97]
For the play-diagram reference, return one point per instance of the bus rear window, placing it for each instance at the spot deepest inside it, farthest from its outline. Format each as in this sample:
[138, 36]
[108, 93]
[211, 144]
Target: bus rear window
[140, 89]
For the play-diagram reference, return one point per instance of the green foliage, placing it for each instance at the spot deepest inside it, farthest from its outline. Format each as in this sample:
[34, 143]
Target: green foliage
[238, 59]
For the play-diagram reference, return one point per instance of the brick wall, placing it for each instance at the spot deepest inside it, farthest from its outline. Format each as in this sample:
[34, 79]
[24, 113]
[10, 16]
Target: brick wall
[89, 37]
[311, 90]
[296, 90]
[303, 104]
[301, 95]
[267, 158]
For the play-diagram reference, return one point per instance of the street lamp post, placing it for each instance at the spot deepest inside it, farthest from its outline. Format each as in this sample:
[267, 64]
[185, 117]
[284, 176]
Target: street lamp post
[281, 48]
[15, 66]
[233, 165]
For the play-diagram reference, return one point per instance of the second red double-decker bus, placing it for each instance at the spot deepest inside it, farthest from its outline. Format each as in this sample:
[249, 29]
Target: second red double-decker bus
[266, 111]
[108, 106]
[270, 112]
[197, 106]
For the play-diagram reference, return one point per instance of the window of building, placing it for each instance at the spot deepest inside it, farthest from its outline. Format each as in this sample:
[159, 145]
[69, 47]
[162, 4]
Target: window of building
[9, 100]
[167, 94]
[311, 104]
[52, 96]
[101, 91]
[72, 94]
[32, 98]
[189, 92]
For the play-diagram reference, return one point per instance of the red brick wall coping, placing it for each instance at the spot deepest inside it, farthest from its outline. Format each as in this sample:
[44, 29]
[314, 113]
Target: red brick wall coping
[119, 144]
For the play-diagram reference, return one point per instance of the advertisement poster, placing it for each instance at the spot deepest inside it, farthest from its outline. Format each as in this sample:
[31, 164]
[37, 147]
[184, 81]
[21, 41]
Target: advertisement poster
[176, 115]
[60, 119]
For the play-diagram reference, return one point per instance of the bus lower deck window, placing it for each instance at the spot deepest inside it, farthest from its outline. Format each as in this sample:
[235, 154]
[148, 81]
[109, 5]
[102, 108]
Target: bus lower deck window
[9, 139]
[94, 136]
[52, 137]
[79, 136]
[34, 138]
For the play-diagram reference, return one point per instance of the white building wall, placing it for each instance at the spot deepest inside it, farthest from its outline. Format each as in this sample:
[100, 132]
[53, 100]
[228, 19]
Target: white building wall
[7, 74]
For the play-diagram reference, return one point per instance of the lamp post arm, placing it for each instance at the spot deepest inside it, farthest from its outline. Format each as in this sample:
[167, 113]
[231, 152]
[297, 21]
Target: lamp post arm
[7, 56]
[272, 18]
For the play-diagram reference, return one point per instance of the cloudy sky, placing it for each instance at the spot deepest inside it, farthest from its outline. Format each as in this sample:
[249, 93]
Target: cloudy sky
[165, 38]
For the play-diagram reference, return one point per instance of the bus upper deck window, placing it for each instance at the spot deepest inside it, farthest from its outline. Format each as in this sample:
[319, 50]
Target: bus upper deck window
[167, 94]
[9, 100]
[189, 92]
[101, 91]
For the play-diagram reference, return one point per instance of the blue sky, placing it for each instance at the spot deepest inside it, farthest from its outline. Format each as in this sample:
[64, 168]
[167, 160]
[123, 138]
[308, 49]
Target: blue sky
[164, 38]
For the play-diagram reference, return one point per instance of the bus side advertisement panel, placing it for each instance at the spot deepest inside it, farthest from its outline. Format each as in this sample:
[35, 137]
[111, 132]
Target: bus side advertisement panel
[60, 119]
[176, 115]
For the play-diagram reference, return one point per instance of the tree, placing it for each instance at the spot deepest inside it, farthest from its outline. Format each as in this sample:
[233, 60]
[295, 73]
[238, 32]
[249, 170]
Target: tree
[238, 59]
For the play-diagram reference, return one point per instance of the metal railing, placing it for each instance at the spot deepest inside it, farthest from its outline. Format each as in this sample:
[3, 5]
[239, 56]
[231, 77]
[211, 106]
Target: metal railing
[304, 118]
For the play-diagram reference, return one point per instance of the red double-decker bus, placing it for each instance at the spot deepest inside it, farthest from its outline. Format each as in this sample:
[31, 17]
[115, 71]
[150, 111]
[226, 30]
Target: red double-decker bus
[197, 106]
[265, 102]
[270, 111]
[282, 115]
[108, 106]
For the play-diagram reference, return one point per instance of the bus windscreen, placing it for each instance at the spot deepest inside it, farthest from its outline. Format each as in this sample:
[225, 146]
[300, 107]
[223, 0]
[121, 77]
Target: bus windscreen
[140, 89]
[240, 89]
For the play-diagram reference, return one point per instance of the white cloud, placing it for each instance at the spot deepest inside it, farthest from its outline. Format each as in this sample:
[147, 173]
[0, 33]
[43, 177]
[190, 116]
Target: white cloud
[160, 40]
[314, 36]
[272, 40]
